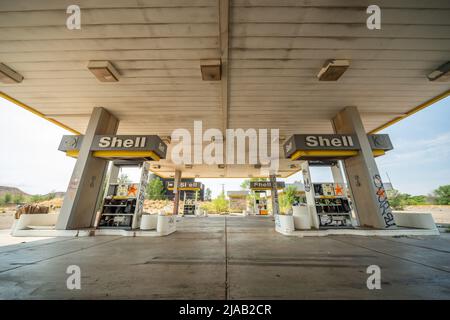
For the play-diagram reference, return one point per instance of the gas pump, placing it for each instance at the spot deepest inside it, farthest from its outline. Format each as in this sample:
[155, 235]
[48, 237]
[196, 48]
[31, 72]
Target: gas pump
[260, 203]
[261, 188]
[328, 202]
[123, 203]
[190, 195]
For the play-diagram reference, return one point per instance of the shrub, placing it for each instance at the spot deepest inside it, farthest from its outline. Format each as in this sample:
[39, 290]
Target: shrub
[155, 189]
[399, 200]
[7, 198]
[18, 198]
[218, 205]
[287, 198]
[442, 195]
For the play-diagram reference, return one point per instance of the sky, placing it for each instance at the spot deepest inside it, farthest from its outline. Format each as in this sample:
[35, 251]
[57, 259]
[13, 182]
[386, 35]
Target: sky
[419, 163]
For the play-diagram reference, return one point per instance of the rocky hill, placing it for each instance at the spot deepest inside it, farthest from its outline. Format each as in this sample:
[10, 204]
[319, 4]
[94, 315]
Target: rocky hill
[16, 191]
[12, 191]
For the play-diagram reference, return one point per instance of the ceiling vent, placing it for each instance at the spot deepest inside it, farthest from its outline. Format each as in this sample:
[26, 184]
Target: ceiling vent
[332, 70]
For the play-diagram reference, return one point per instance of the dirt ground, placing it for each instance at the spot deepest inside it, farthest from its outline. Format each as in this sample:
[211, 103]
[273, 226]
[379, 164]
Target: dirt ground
[6, 219]
[441, 214]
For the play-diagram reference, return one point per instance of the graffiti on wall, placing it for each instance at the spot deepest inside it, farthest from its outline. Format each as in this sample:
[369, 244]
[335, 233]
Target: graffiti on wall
[383, 202]
[142, 188]
[306, 180]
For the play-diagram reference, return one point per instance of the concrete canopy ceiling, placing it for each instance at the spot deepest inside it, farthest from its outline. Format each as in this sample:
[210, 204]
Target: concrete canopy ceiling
[271, 53]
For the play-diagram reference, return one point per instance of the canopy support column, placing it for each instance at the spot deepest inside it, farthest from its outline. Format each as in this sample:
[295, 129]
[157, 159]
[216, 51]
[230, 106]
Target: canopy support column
[310, 195]
[274, 193]
[78, 209]
[364, 179]
[176, 184]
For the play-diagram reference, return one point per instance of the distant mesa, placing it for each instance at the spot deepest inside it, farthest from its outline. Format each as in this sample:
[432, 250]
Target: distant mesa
[13, 191]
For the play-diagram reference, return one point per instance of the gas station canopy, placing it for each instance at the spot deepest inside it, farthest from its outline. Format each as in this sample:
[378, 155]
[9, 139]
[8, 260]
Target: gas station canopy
[270, 53]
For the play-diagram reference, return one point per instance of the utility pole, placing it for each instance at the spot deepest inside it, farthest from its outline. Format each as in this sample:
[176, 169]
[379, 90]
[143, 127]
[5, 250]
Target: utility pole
[389, 179]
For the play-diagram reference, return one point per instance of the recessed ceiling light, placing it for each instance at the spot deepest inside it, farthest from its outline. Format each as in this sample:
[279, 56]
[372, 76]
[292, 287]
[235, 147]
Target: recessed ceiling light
[332, 70]
[211, 70]
[8, 75]
[441, 74]
[104, 71]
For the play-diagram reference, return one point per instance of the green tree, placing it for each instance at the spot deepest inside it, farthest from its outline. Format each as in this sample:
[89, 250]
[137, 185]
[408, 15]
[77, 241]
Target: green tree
[7, 198]
[220, 204]
[155, 189]
[399, 200]
[18, 198]
[417, 200]
[207, 194]
[36, 198]
[442, 195]
[124, 179]
[51, 195]
[396, 199]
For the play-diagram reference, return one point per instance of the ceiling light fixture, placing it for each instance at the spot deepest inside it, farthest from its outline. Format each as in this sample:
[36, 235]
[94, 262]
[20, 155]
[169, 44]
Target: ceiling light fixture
[441, 74]
[166, 139]
[104, 71]
[332, 70]
[8, 75]
[211, 70]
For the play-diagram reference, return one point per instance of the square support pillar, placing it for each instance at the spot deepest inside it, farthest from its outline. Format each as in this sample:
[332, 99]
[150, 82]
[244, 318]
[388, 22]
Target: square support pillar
[369, 195]
[176, 185]
[78, 209]
[114, 173]
[274, 195]
[310, 195]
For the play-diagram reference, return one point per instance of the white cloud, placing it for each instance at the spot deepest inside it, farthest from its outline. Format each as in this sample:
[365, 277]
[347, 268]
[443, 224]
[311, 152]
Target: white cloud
[422, 151]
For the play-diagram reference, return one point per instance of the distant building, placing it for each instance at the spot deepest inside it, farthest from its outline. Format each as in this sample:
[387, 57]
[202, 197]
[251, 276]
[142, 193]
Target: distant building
[238, 200]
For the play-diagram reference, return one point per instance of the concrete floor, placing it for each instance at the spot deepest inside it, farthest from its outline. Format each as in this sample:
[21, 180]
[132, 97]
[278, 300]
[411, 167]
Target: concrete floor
[227, 258]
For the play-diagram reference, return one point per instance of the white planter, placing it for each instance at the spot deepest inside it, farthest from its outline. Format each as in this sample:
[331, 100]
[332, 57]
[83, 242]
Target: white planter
[166, 224]
[284, 223]
[149, 221]
[36, 219]
[302, 219]
[313, 216]
[419, 220]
